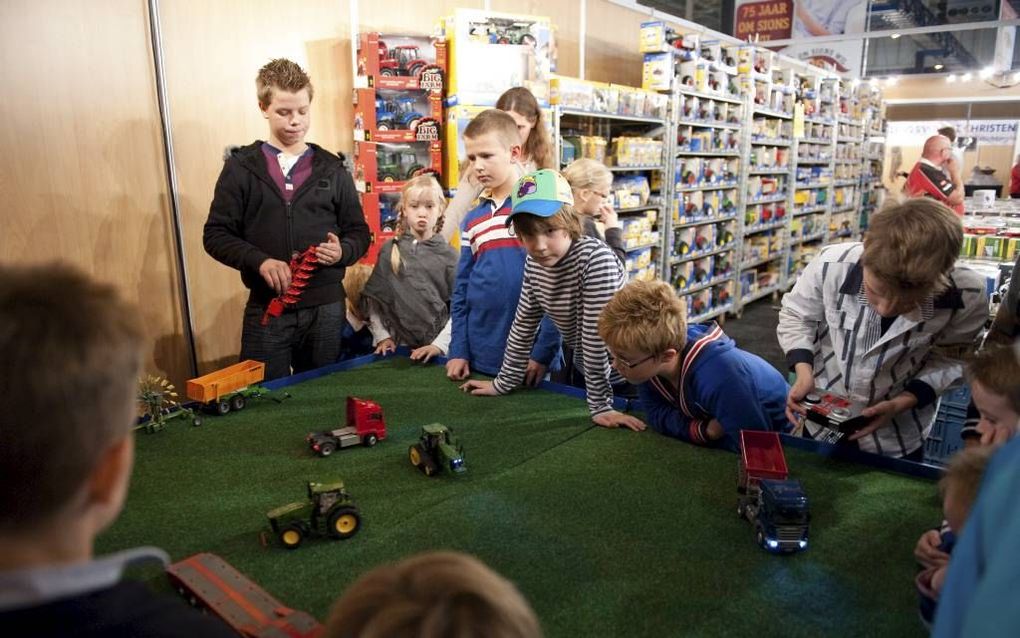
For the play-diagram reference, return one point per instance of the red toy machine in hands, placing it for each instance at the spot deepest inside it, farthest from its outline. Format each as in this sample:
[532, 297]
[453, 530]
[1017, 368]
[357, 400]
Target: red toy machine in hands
[301, 269]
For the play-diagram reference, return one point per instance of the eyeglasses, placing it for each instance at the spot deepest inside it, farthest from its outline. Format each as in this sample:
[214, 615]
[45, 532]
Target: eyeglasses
[602, 195]
[626, 364]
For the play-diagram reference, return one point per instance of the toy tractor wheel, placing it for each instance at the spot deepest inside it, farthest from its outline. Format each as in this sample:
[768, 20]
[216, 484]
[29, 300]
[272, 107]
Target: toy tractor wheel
[237, 402]
[759, 535]
[196, 421]
[384, 125]
[386, 71]
[414, 453]
[292, 536]
[387, 176]
[222, 407]
[528, 39]
[740, 509]
[343, 522]
[415, 171]
[370, 440]
[327, 448]
[429, 467]
[413, 123]
[415, 70]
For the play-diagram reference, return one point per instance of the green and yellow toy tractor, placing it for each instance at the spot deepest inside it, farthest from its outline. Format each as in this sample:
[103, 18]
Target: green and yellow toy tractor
[329, 510]
[437, 449]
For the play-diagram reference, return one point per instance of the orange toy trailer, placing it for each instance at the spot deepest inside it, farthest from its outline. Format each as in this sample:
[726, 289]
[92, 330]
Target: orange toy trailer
[230, 388]
[207, 581]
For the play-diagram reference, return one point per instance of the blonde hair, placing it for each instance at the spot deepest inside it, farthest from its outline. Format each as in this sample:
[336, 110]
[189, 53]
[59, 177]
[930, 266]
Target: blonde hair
[497, 122]
[355, 279]
[566, 218]
[538, 148]
[587, 173]
[644, 316]
[70, 349]
[281, 74]
[423, 182]
[997, 370]
[433, 595]
[964, 473]
[911, 246]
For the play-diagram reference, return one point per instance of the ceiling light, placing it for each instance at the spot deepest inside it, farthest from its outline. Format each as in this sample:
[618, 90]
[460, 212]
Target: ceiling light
[951, 78]
[939, 66]
[967, 77]
[895, 36]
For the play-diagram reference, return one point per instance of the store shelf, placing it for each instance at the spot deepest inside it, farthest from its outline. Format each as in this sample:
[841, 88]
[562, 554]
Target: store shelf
[637, 209]
[848, 140]
[710, 96]
[758, 262]
[803, 186]
[706, 220]
[631, 249]
[813, 162]
[762, 141]
[624, 169]
[708, 187]
[755, 296]
[611, 116]
[815, 140]
[845, 182]
[772, 199]
[711, 314]
[761, 228]
[768, 171]
[810, 211]
[705, 253]
[845, 209]
[808, 239]
[709, 124]
[690, 290]
[708, 153]
[770, 113]
[819, 120]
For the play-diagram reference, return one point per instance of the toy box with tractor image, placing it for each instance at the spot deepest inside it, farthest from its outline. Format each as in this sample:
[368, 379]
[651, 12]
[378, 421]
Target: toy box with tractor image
[397, 113]
[382, 167]
[230, 388]
[394, 61]
[212, 584]
[328, 510]
[437, 449]
[365, 426]
[775, 505]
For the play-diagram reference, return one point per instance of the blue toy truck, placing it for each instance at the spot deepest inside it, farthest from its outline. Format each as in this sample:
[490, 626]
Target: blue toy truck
[774, 504]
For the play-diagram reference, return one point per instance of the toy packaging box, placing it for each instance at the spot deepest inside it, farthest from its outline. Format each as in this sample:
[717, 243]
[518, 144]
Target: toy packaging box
[401, 62]
[410, 115]
[490, 52]
[384, 167]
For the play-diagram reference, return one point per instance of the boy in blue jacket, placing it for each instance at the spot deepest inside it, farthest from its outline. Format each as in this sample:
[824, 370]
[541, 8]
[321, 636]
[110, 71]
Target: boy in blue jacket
[491, 267]
[693, 381]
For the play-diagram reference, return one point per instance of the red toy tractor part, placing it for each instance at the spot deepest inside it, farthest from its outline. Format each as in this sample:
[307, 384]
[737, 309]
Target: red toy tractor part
[301, 269]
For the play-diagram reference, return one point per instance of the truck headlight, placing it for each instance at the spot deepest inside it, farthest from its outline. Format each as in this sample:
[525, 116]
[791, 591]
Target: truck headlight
[802, 544]
[773, 544]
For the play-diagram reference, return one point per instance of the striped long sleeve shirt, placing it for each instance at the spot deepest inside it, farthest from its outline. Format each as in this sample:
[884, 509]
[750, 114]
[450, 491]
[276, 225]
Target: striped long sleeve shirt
[826, 321]
[572, 293]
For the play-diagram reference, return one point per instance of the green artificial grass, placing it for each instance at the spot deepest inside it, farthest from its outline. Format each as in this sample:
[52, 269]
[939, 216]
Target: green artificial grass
[606, 532]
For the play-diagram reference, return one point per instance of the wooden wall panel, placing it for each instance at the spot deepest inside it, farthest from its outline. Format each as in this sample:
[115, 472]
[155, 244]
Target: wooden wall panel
[213, 52]
[82, 177]
[566, 20]
[611, 53]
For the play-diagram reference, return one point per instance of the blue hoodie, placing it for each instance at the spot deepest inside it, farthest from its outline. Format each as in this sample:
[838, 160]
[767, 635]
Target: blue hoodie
[717, 381]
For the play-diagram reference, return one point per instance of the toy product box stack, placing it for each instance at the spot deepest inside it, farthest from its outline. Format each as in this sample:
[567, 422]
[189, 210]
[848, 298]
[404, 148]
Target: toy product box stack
[398, 118]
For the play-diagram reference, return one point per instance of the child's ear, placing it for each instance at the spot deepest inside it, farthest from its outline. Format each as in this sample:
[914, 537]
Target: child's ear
[515, 153]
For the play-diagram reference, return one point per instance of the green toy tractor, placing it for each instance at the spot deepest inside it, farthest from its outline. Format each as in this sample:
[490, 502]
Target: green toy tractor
[329, 510]
[437, 449]
[397, 165]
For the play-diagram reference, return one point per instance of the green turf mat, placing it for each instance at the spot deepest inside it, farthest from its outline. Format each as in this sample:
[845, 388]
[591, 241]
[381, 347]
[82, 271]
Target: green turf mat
[607, 532]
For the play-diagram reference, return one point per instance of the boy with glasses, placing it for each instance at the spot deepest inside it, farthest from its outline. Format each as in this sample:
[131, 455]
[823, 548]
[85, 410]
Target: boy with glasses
[693, 381]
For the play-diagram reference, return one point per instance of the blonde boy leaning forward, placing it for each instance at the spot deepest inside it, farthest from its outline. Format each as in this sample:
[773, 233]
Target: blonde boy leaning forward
[872, 321]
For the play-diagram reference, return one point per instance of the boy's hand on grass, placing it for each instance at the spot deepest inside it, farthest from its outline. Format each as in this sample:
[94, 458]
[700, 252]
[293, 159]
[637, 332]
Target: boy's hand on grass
[480, 388]
[425, 353]
[927, 550]
[614, 419]
[882, 413]
[385, 347]
[804, 384]
[276, 273]
[534, 373]
[457, 369]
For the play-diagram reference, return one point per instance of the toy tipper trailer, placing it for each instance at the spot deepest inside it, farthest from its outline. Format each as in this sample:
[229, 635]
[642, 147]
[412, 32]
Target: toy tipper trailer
[775, 505]
[230, 388]
[207, 581]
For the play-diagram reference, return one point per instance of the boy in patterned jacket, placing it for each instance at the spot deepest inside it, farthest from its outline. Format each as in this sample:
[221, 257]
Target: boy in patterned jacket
[883, 323]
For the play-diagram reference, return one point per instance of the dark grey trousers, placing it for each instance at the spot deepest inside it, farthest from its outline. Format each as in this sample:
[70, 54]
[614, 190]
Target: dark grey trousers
[301, 339]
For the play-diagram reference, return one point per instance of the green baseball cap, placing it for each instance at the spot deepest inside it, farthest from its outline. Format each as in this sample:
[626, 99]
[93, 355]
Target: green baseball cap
[542, 193]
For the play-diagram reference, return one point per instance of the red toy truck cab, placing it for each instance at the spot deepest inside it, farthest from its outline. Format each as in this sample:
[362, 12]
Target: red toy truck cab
[761, 457]
[365, 426]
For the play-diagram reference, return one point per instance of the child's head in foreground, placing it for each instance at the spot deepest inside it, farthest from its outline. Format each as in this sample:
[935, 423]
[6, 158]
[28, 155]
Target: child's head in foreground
[433, 595]
[994, 375]
[492, 146]
[644, 327]
[543, 216]
[909, 251]
[961, 483]
[70, 358]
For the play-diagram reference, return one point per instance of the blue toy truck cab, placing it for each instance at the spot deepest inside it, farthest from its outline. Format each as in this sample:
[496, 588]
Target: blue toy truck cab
[782, 517]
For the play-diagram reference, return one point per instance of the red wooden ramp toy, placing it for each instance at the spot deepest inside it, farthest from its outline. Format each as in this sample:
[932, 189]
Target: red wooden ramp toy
[208, 581]
[301, 269]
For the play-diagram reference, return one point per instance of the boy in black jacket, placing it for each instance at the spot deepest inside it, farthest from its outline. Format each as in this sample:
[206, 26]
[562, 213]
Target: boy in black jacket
[273, 200]
[70, 354]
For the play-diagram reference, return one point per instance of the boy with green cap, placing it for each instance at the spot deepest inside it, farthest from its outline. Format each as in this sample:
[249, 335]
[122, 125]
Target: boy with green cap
[568, 277]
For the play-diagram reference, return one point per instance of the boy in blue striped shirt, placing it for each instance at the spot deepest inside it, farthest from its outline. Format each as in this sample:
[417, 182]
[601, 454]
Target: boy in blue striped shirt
[567, 278]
